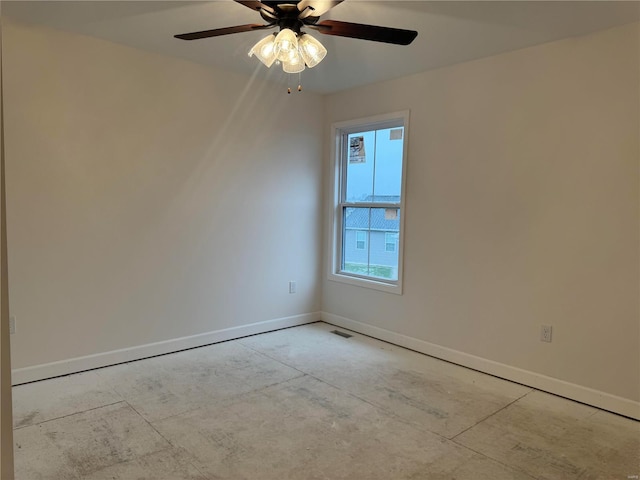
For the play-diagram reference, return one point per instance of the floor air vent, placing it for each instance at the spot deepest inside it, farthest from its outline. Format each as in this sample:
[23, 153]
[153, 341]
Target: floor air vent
[342, 334]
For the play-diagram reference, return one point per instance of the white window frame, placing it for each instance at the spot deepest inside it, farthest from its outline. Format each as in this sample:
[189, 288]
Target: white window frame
[339, 132]
[365, 239]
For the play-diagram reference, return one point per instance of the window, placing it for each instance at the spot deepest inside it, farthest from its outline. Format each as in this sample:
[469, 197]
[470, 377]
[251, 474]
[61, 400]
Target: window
[370, 159]
[390, 241]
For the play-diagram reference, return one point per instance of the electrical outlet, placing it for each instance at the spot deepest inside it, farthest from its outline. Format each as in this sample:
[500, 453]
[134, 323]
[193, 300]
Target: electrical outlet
[292, 287]
[12, 324]
[545, 333]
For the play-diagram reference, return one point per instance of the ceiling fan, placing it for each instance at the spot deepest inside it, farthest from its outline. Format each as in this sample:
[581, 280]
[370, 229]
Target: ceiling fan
[292, 47]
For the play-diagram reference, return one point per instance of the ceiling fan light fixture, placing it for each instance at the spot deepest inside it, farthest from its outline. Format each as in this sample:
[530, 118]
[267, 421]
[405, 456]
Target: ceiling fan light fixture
[264, 50]
[294, 64]
[312, 51]
[285, 44]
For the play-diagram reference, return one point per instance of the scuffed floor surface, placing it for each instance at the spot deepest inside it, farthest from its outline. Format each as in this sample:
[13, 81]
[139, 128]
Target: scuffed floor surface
[304, 403]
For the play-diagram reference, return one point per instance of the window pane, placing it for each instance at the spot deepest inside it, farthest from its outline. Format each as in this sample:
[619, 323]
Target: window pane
[355, 235]
[374, 166]
[384, 225]
[368, 234]
[390, 241]
[388, 165]
[360, 165]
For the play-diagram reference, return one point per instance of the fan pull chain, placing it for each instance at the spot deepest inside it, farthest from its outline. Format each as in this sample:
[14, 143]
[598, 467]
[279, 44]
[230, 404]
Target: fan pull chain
[289, 83]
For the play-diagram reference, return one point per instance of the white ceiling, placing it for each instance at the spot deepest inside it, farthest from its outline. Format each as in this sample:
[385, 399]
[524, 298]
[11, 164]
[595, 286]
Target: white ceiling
[449, 32]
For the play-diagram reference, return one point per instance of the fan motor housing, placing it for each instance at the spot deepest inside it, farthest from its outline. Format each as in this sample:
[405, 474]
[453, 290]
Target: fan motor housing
[286, 16]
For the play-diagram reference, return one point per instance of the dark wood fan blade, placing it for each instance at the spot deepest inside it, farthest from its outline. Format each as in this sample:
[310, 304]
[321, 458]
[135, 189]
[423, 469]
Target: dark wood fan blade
[221, 31]
[366, 32]
[315, 8]
[256, 6]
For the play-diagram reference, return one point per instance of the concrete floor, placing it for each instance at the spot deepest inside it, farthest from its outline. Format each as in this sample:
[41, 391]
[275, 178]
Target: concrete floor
[304, 403]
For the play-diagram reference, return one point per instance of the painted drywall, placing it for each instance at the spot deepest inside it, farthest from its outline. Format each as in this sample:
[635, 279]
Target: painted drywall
[150, 198]
[6, 407]
[522, 209]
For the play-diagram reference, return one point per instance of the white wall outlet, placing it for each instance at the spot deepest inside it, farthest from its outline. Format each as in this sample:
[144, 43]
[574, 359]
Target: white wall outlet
[12, 324]
[545, 333]
[292, 287]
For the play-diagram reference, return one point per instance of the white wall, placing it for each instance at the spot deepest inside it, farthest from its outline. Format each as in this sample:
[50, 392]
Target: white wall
[151, 198]
[6, 407]
[522, 209]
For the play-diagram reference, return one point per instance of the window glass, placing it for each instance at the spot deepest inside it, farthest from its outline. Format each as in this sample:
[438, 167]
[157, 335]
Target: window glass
[360, 166]
[390, 241]
[355, 254]
[374, 166]
[368, 235]
[388, 167]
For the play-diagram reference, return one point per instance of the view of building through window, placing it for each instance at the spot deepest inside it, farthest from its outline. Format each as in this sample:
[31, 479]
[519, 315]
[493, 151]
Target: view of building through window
[370, 202]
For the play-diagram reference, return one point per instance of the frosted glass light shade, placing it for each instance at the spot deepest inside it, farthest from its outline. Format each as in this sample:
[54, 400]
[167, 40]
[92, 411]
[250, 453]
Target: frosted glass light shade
[286, 44]
[293, 64]
[312, 50]
[265, 50]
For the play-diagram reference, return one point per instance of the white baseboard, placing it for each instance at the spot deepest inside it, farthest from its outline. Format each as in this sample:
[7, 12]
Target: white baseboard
[596, 398]
[78, 364]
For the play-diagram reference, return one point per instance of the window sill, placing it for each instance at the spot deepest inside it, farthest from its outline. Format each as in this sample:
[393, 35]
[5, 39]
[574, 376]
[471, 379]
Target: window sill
[395, 288]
